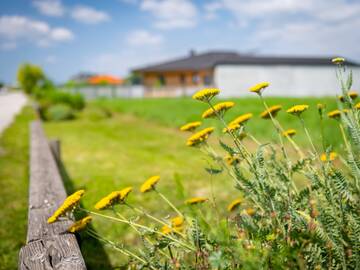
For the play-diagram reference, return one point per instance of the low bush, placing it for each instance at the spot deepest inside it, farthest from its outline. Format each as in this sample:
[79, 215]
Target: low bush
[59, 112]
[270, 222]
[95, 113]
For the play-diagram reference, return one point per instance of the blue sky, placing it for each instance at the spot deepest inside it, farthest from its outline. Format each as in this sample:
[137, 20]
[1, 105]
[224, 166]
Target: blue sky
[113, 36]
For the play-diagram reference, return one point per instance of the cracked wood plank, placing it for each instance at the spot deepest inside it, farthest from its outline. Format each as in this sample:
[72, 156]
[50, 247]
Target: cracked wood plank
[49, 246]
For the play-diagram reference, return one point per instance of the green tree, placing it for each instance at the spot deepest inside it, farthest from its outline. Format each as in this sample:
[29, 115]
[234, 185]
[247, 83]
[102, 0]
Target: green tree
[29, 76]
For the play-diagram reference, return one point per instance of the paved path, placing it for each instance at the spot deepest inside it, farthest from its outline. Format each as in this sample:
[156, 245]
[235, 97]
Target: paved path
[10, 105]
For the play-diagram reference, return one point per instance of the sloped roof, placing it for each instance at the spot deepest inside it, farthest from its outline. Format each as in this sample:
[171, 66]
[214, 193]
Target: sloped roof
[209, 60]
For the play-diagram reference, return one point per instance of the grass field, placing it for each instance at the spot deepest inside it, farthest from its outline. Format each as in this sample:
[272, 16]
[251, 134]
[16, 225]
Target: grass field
[175, 112]
[13, 189]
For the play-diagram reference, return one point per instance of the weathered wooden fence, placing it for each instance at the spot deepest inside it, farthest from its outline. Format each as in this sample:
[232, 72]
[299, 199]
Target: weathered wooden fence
[48, 246]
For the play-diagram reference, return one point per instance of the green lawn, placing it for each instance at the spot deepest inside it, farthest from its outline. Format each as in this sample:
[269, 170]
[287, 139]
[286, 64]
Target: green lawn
[176, 112]
[14, 188]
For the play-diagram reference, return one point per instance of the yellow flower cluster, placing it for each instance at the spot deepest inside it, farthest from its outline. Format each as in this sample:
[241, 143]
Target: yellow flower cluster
[196, 200]
[338, 60]
[249, 211]
[234, 205]
[297, 109]
[242, 119]
[289, 133]
[206, 94]
[68, 205]
[199, 137]
[335, 114]
[219, 108]
[150, 183]
[232, 160]
[257, 88]
[357, 106]
[272, 111]
[352, 94]
[113, 198]
[332, 157]
[231, 128]
[190, 126]
[176, 225]
[80, 225]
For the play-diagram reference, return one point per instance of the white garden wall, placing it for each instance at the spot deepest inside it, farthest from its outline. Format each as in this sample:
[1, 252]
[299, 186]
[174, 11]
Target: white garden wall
[235, 80]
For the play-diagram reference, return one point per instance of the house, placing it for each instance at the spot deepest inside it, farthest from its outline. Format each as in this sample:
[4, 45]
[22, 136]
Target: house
[234, 73]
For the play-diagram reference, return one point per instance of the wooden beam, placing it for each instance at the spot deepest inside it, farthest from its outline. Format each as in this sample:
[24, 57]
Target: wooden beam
[49, 246]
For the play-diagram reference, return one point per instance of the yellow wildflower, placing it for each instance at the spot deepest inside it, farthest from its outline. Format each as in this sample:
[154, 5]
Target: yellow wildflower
[334, 114]
[219, 108]
[68, 205]
[257, 88]
[231, 128]
[249, 211]
[80, 225]
[113, 198]
[273, 110]
[357, 106]
[332, 156]
[232, 160]
[199, 136]
[338, 60]
[206, 94]
[177, 221]
[196, 200]
[234, 204]
[150, 184]
[190, 126]
[297, 109]
[242, 119]
[290, 132]
[352, 94]
[166, 229]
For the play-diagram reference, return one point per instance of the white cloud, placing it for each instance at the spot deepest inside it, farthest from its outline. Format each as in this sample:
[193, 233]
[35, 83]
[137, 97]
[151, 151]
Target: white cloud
[144, 38]
[19, 28]
[89, 15]
[170, 14]
[52, 8]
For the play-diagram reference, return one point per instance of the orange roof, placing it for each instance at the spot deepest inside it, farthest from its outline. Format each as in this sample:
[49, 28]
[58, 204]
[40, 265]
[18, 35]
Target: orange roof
[105, 79]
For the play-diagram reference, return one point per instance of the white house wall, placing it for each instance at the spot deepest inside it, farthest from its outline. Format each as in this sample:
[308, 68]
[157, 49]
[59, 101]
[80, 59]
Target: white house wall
[235, 80]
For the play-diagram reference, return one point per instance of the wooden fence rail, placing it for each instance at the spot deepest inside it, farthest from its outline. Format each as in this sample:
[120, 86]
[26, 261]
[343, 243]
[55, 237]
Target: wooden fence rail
[48, 246]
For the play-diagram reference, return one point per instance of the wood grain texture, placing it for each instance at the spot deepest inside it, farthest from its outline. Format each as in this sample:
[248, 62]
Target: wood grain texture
[48, 245]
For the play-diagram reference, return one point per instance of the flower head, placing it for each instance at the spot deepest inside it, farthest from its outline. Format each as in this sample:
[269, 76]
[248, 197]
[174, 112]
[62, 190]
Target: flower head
[190, 126]
[68, 205]
[338, 60]
[150, 184]
[335, 114]
[352, 94]
[257, 88]
[231, 128]
[206, 94]
[166, 229]
[357, 106]
[80, 225]
[297, 109]
[219, 108]
[199, 137]
[249, 211]
[272, 111]
[196, 200]
[113, 198]
[232, 160]
[234, 204]
[242, 119]
[177, 221]
[289, 133]
[176, 225]
[332, 156]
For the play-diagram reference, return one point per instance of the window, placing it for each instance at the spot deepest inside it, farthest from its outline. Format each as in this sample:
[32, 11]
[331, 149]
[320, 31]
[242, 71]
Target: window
[195, 78]
[182, 79]
[161, 80]
[207, 80]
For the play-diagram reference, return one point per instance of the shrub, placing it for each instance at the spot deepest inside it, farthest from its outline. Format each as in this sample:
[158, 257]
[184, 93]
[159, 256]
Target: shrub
[29, 77]
[95, 113]
[59, 112]
[270, 223]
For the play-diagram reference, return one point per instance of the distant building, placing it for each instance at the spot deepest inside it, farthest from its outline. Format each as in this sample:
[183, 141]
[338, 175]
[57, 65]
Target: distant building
[234, 73]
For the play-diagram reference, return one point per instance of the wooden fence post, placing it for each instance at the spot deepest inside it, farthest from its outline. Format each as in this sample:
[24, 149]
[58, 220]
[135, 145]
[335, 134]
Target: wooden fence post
[48, 246]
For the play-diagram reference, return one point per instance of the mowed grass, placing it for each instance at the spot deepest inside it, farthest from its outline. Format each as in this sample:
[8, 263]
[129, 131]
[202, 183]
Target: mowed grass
[173, 113]
[14, 166]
